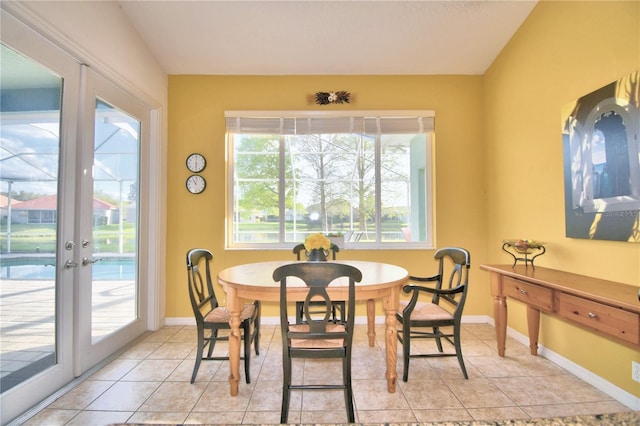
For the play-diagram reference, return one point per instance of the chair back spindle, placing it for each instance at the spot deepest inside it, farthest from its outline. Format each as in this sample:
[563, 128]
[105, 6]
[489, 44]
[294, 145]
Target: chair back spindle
[337, 306]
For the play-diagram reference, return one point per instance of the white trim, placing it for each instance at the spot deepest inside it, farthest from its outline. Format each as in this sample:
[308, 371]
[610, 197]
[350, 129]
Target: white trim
[190, 321]
[156, 221]
[379, 320]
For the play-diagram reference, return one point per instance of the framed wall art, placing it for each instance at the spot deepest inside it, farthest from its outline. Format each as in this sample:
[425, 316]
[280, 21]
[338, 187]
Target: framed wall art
[601, 146]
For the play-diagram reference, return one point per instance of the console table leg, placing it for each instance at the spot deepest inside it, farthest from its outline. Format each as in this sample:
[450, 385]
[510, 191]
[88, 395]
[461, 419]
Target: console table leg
[500, 314]
[499, 311]
[533, 324]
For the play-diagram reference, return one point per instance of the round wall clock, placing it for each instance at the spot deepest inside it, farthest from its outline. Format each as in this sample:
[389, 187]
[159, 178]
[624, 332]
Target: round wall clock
[196, 162]
[196, 184]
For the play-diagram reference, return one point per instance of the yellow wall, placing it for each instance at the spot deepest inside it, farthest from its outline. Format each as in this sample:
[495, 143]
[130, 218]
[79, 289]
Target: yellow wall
[498, 161]
[564, 50]
[196, 123]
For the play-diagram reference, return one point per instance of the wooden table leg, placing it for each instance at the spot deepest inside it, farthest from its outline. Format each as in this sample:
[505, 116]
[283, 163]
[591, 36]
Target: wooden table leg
[371, 321]
[390, 304]
[234, 304]
[533, 324]
[500, 314]
[499, 311]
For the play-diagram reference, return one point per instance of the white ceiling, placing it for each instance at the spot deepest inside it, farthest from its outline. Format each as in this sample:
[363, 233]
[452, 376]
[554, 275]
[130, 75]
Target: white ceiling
[311, 37]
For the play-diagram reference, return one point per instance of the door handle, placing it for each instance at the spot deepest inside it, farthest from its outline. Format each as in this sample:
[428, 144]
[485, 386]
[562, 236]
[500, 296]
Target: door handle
[86, 261]
[69, 264]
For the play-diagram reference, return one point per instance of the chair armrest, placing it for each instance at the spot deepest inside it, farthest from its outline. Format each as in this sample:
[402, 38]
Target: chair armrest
[417, 288]
[424, 279]
[411, 287]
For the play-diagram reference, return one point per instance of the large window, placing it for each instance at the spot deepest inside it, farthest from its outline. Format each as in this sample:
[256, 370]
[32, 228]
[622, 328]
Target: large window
[364, 176]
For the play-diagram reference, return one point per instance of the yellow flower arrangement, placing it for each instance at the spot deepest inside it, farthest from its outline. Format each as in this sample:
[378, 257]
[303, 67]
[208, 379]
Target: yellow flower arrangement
[317, 241]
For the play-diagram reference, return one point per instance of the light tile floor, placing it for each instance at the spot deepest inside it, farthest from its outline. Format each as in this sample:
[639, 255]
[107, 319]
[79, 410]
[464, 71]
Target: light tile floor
[149, 383]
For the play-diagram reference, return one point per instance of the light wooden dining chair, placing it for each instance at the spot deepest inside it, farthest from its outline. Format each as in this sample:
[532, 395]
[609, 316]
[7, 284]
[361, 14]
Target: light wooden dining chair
[317, 337]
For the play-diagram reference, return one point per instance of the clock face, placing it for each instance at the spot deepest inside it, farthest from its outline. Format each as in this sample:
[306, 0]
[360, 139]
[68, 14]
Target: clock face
[196, 184]
[196, 163]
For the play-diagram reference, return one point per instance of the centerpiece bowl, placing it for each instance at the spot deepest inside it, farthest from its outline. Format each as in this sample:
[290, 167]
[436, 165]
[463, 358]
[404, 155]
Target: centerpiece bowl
[521, 250]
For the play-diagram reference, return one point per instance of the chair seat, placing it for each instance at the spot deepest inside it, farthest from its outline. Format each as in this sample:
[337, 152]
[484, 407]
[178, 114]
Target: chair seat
[425, 311]
[221, 314]
[317, 343]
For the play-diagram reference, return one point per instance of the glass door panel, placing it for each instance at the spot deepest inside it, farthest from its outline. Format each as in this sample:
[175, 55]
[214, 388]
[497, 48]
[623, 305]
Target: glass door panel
[29, 155]
[38, 121]
[115, 219]
[111, 297]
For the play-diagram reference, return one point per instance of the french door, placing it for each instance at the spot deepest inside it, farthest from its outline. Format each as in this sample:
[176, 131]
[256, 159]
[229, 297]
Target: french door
[109, 291]
[71, 147]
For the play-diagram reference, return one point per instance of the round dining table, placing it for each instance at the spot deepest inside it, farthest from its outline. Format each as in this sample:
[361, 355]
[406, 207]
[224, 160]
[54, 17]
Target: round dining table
[254, 281]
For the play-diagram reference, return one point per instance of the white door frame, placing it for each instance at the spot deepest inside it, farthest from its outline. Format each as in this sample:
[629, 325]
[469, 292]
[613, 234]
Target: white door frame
[89, 353]
[21, 397]
[36, 43]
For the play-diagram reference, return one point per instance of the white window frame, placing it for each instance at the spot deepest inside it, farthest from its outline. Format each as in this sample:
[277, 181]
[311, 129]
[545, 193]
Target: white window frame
[429, 183]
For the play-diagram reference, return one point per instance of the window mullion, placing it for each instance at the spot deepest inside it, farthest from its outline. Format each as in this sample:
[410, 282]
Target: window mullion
[282, 181]
[378, 187]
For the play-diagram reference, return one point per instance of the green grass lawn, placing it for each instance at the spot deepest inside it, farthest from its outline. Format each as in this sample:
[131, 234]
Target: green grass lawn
[269, 231]
[42, 238]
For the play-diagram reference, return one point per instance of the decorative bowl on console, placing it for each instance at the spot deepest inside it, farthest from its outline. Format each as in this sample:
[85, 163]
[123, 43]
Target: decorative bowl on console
[523, 247]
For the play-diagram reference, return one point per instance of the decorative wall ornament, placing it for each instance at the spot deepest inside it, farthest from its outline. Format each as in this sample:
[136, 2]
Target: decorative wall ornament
[339, 97]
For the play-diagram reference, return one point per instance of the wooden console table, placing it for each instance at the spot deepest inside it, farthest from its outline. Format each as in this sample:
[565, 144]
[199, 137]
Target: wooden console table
[608, 307]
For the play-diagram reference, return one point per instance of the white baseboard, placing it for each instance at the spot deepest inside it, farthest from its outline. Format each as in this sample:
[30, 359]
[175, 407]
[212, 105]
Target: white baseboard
[181, 321]
[582, 373]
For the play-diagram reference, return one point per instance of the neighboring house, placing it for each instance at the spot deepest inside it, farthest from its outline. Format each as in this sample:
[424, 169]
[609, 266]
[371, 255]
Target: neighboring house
[44, 210]
[4, 207]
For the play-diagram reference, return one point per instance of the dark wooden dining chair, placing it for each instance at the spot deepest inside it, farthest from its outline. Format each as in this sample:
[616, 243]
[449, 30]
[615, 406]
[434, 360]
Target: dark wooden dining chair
[317, 337]
[211, 317]
[450, 286]
[337, 306]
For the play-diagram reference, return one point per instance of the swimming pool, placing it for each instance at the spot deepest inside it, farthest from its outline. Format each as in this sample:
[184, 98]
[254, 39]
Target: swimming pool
[43, 268]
